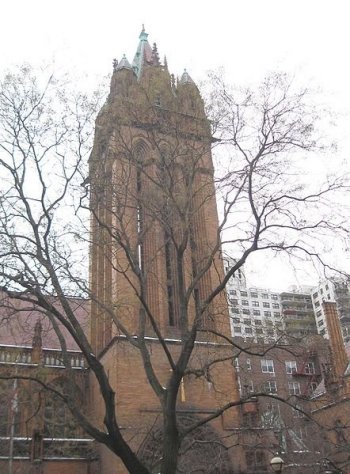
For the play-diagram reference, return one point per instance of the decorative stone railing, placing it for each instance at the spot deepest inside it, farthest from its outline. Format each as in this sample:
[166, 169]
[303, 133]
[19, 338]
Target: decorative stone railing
[22, 355]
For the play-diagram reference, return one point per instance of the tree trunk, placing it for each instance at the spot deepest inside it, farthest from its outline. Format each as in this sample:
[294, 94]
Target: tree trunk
[171, 442]
[131, 461]
[170, 452]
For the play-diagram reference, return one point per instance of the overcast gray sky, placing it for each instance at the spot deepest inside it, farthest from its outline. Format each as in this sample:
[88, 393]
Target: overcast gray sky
[248, 38]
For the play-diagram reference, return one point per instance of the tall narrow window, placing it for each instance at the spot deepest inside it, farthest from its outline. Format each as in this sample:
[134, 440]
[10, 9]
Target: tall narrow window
[140, 255]
[169, 280]
[166, 177]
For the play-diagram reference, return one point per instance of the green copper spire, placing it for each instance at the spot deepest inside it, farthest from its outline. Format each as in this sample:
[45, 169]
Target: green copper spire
[143, 35]
[143, 53]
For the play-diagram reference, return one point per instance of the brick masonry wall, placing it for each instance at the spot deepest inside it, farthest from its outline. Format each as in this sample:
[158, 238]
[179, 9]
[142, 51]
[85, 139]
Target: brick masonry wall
[138, 408]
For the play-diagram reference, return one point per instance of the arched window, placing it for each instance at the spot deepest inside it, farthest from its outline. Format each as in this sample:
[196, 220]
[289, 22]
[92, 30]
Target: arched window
[58, 419]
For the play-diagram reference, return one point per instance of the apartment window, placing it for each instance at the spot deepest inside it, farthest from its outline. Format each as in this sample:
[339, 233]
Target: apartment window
[255, 303]
[291, 366]
[266, 305]
[247, 321]
[275, 305]
[236, 320]
[309, 368]
[245, 311]
[315, 295]
[319, 313]
[248, 330]
[267, 313]
[237, 330]
[259, 331]
[327, 287]
[323, 331]
[321, 291]
[265, 296]
[317, 304]
[270, 333]
[245, 302]
[277, 314]
[233, 301]
[260, 340]
[234, 310]
[244, 293]
[258, 322]
[320, 322]
[274, 297]
[294, 388]
[236, 363]
[253, 295]
[232, 292]
[267, 366]
[313, 386]
[249, 364]
[256, 312]
[270, 386]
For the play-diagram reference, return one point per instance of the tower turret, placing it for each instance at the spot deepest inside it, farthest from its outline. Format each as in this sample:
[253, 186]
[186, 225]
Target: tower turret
[189, 99]
[123, 77]
[37, 344]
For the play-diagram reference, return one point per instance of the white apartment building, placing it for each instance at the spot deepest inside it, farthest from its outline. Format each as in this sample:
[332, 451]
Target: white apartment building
[255, 313]
[337, 290]
[265, 316]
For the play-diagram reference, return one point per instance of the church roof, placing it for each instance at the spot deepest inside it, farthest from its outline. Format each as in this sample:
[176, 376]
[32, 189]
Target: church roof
[123, 64]
[19, 323]
[186, 78]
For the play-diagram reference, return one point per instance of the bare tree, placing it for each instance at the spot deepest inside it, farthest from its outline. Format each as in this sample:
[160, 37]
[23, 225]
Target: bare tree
[268, 136]
[160, 184]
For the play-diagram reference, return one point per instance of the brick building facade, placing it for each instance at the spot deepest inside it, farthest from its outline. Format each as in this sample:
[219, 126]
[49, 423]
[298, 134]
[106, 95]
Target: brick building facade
[155, 261]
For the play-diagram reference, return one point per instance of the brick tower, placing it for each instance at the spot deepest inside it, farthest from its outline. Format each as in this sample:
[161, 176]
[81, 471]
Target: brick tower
[155, 253]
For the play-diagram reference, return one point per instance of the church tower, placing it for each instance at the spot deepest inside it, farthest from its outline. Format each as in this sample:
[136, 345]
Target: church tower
[155, 225]
[155, 255]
